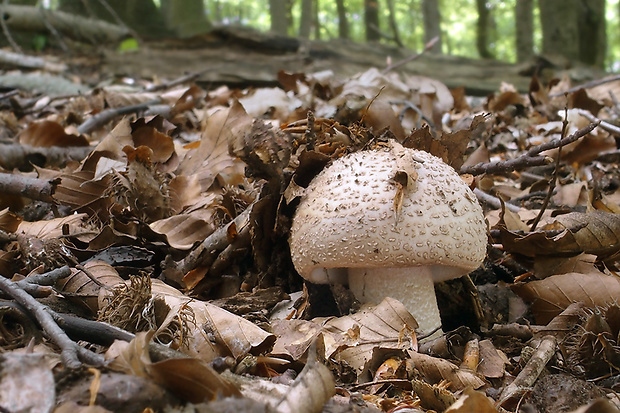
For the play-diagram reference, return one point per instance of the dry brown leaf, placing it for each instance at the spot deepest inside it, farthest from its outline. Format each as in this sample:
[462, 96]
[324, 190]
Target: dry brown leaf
[26, 383]
[9, 222]
[78, 190]
[191, 380]
[110, 147]
[549, 297]
[115, 97]
[49, 133]
[435, 396]
[353, 338]
[132, 357]
[435, 370]
[472, 402]
[310, 390]
[160, 143]
[84, 290]
[294, 337]
[492, 361]
[184, 191]
[380, 115]
[218, 332]
[595, 232]
[53, 228]
[183, 231]
[211, 157]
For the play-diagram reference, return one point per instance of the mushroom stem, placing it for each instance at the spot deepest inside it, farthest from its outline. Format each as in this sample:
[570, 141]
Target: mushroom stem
[413, 287]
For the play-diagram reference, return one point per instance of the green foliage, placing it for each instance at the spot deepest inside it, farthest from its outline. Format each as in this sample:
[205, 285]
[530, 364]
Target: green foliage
[128, 45]
[39, 41]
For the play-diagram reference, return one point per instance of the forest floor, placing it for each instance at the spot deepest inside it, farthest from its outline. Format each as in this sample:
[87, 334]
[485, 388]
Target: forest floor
[145, 216]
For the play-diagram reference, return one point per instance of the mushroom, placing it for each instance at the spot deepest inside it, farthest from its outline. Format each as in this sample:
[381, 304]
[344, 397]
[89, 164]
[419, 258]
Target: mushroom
[391, 221]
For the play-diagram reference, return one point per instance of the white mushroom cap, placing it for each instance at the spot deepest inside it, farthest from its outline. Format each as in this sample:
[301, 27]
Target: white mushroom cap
[392, 207]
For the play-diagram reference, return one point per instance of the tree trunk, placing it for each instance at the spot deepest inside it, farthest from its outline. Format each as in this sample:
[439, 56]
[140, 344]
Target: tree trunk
[482, 29]
[592, 36]
[306, 17]
[432, 23]
[143, 16]
[371, 19]
[559, 26]
[524, 28]
[316, 23]
[185, 18]
[343, 22]
[279, 16]
[393, 25]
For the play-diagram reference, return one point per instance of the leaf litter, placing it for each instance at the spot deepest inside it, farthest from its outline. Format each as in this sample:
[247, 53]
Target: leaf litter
[158, 220]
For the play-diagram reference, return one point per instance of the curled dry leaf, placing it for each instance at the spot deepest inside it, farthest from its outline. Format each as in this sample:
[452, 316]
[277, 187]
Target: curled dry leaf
[53, 228]
[472, 401]
[433, 396]
[9, 222]
[492, 361]
[218, 333]
[183, 231]
[48, 133]
[211, 157]
[435, 370]
[595, 232]
[88, 291]
[310, 390]
[549, 297]
[189, 379]
[353, 338]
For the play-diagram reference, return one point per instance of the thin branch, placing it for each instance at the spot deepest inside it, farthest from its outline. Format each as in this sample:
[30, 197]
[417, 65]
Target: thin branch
[411, 58]
[6, 32]
[606, 126]
[205, 253]
[554, 178]
[531, 158]
[178, 81]
[107, 115]
[587, 85]
[71, 352]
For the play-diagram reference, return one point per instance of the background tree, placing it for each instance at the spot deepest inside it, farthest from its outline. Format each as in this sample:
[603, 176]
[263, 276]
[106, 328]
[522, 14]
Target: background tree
[306, 18]
[559, 26]
[432, 23]
[371, 20]
[592, 32]
[483, 29]
[143, 16]
[278, 11]
[185, 17]
[343, 21]
[524, 29]
[393, 24]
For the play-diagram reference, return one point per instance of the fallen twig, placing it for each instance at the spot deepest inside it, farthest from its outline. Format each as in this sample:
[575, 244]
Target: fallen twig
[528, 376]
[178, 81]
[205, 254]
[107, 115]
[606, 126]
[554, 178]
[531, 158]
[16, 156]
[32, 188]
[71, 352]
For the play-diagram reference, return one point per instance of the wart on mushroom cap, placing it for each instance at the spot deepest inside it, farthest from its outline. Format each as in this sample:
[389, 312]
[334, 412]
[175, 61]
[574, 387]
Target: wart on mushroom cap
[394, 221]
